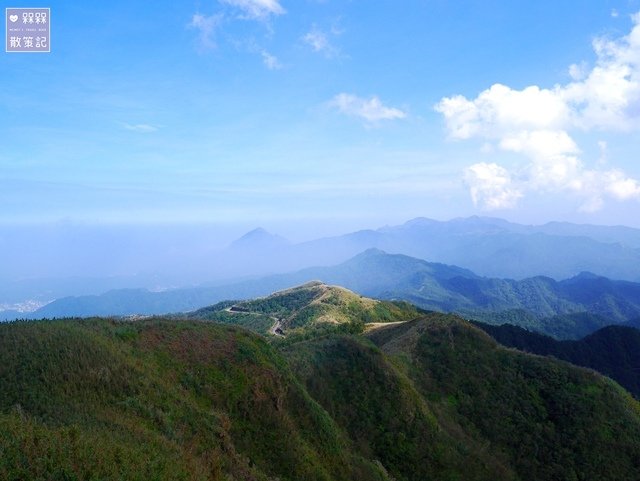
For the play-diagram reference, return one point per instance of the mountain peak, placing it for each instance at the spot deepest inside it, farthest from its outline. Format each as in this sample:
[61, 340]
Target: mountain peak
[256, 233]
[483, 221]
[259, 238]
[311, 304]
[586, 275]
[420, 221]
[371, 252]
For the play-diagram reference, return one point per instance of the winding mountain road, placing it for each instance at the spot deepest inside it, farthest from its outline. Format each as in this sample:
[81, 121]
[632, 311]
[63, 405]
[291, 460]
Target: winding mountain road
[275, 330]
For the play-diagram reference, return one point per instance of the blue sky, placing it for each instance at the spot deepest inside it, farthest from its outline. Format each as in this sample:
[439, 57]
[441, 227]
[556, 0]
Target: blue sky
[317, 116]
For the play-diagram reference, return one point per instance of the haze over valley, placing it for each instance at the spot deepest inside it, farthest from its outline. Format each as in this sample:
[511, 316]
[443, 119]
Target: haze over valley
[320, 240]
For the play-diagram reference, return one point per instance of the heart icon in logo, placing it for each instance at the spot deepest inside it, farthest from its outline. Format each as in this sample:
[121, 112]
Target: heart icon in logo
[13, 18]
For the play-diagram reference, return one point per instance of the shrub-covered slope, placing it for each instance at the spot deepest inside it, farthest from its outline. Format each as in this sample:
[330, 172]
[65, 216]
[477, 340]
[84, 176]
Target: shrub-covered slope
[431, 398]
[84, 400]
[386, 417]
[614, 350]
[550, 420]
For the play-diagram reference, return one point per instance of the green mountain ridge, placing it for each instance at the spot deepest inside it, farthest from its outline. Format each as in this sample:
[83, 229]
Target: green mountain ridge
[308, 306]
[566, 309]
[549, 419]
[613, 350]
[356, 389]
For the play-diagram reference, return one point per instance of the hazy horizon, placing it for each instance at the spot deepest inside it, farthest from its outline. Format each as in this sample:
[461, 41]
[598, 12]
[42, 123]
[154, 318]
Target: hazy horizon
[176, 254]
[294, 231]
[320, 239]
[150, 138]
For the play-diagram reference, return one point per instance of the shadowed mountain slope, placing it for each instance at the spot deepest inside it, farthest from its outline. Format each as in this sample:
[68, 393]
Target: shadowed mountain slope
[613, 351]
[548, 419]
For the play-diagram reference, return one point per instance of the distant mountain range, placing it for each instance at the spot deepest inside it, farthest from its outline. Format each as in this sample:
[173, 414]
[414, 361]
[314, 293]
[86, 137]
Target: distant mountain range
[566, 309]
[488, 246]
[43, 266]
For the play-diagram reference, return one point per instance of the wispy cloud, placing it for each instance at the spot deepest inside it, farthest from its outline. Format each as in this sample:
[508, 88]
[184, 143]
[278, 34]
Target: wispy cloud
[536, 122]
[371, 110]
[318, 41]
[321, 41]
[257, 9]
[270, 61]
[141, 128]
[206, 26]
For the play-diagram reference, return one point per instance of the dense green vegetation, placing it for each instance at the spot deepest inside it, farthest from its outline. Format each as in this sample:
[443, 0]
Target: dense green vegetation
[154, 399]
[614, 350]
[563, 326]
[337, 398]
[385, 416]
[548, 419]
[221, 313]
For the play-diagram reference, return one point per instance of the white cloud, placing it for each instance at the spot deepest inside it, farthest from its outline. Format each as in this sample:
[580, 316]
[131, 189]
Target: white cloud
[317, 39]
[270, 61]
[536, 122]
[260, 10]
[500, 109]
[578, 71]
[141, 128]
[491, 186]
[371, 110]
[620, 186]
[257, 9]
[320, 42]
[553, 154]
[206, 26]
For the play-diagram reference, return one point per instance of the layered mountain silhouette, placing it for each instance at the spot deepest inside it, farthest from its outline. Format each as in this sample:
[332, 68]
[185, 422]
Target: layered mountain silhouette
[488, 246]
[566, 309]
[164, 258]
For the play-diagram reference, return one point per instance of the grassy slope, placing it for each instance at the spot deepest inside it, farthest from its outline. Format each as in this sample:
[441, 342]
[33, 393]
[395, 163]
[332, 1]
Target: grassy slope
[312, 304]
[550, 420]
[159, 400]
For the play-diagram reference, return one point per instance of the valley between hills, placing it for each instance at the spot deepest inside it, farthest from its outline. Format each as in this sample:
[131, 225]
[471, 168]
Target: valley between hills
[254, 240]
[351, 388]
[381, 366]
